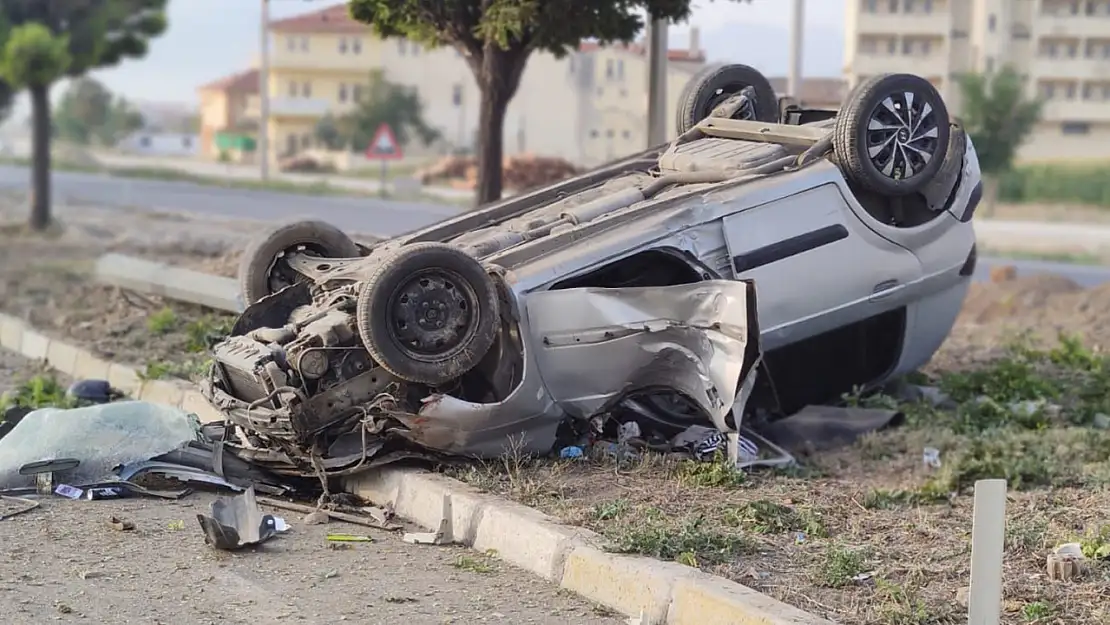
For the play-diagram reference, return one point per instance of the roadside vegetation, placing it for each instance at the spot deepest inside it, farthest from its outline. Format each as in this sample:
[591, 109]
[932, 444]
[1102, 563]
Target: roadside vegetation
[871, 534]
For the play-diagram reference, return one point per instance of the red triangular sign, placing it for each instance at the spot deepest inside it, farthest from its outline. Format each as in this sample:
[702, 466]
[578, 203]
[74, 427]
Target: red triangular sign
[384, 145]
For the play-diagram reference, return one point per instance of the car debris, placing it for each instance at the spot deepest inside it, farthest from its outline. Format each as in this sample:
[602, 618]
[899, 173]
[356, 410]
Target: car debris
[379, 518]
[237, 522]
[27, 506]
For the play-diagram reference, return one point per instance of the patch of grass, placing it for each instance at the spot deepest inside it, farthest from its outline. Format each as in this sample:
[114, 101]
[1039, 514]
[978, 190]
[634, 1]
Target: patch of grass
[41, 391]
[718, 473]
[482, 565]
[840, 566]
[900, 605]
[162, 321]
[763, 516]
[191, 368]
[883, 499]
[690, 541]
[1036, 611]
[1096, 543]
[201, 334]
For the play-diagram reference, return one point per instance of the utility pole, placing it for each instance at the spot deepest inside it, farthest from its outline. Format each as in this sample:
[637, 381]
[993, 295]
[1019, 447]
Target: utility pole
[264, 94]
[797, 36]
[657, 82]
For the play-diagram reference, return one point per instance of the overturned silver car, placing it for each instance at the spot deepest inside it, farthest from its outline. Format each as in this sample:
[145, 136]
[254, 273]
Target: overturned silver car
[768, 258]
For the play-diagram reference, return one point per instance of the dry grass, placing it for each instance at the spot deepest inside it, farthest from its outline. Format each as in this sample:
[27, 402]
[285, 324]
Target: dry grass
[870, 535]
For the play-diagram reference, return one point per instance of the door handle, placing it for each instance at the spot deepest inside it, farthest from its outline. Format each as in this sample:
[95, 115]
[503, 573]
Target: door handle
[885, 289]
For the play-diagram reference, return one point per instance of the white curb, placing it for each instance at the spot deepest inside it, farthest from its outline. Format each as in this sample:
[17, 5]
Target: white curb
[665, 593]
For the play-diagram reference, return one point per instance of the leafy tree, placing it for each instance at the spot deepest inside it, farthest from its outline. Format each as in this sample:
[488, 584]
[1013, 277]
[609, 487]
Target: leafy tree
[383, 102]
[44, 40]
[998, 117]
[89, 113]
[496, 38]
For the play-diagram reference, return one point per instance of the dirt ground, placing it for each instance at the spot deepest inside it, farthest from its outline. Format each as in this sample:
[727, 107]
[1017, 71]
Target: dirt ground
[867, 535]
[64, 563]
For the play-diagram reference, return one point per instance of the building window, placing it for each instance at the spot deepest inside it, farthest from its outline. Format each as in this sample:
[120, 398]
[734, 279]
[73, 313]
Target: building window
[356, 46]
[1075, 128]
[1048, 90]
[402, 46]
[293, 89]
[928, 6]
[343, 45]
[910, 6]
[892, 45]
[290, 44]
[1070, 91]
[291, 144]
[871, 6]
[609, 69]
[593, 134]
[624, 93]
[620, 70]
[186, 142]
[456, 95]
[342, 92]
[992, 23]
[304, 44]
[627, 135]
[306, 89]
[609, 134]
[144, 141]
[990, 64]
[893, 6]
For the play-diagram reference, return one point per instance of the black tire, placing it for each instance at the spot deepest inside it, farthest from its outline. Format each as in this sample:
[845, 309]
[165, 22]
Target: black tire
[886, 172]
[261, 270]
[714, 85]
[412, 345]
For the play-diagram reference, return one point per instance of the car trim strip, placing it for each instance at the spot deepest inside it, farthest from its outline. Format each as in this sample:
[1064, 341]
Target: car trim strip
[789, 247]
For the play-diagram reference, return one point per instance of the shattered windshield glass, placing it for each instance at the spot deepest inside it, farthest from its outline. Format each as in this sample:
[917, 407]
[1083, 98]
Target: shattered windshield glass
[100, 437]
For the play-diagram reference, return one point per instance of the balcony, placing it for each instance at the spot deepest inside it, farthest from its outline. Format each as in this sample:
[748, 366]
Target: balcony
[289, 107]
[1078, 68]
[929, 24]
[1076, 111]
[878, 63]
[1072, 26]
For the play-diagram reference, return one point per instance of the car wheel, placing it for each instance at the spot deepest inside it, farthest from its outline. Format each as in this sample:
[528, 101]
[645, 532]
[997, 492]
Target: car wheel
[713, 85]
[428, 314]
[892, 135]
[263, 271]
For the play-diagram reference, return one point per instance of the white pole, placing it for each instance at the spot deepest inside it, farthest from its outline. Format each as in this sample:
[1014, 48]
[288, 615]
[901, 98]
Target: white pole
[264, 95]
[988, 540]
[797, 32]
[657, 83]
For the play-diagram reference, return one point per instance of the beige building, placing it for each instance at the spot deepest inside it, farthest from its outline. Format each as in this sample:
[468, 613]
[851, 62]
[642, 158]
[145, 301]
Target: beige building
[1062, 46]
[587, 107]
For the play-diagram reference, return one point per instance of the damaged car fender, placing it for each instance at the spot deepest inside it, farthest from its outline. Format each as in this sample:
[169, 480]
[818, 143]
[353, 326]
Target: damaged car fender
[597, 346]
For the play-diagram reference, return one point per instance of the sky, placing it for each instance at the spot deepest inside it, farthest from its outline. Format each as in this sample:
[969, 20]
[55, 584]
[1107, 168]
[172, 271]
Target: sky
[208, 39]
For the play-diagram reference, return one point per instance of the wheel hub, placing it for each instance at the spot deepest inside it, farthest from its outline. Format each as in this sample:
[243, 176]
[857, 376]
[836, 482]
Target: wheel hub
[431, 314]
[901, 135]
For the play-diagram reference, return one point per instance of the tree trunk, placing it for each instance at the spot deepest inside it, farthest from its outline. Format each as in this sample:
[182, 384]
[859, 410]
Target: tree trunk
[498, 74]
[990, 194]
[491, 141]
[40, 157]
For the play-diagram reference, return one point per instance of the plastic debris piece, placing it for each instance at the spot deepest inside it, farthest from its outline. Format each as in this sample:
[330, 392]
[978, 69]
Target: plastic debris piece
[236, 522]
[931, 457]
[67, 491]
[349, 538]
[120, 525]
[628, 431]
[571, 452]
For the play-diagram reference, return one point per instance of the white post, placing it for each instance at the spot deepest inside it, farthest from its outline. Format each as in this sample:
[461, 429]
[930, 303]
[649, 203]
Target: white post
[657, 83]
[797, 38]
[264, 95]
[988, 539]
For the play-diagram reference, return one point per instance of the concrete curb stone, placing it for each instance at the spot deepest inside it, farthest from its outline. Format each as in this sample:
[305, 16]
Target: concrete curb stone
[662, 593]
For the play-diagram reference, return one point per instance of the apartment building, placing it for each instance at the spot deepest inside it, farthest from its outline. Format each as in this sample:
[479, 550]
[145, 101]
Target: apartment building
[1061, 46]
[224, 106]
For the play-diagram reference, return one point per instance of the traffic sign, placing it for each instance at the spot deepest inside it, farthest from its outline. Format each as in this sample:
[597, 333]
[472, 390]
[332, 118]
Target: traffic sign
[384, 146]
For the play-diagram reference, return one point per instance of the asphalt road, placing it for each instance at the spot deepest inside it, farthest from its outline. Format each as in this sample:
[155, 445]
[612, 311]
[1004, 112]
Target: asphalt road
[369, 215]
[388, 218]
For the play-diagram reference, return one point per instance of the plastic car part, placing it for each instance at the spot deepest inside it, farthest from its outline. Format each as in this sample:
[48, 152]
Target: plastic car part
[891, 136]
[939, 191]
[428, 314]
[714, 85]
[262, 271]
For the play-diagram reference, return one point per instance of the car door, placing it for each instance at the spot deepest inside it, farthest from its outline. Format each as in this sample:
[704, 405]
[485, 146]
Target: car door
[815, 265]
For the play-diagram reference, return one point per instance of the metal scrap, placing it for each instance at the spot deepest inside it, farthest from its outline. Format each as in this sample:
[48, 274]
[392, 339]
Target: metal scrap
[28, 505]
[237, 522]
